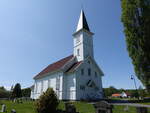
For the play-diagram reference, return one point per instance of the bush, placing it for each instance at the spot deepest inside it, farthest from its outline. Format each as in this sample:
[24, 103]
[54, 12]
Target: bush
[47, 102]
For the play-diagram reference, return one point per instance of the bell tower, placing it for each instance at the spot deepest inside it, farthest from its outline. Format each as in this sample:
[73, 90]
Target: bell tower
[83, 40]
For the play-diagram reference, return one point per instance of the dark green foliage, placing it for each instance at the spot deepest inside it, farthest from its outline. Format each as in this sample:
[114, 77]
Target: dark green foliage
[26, 92]
[133, 92]
[141, 92]
[16, 93]
[47, 102]
[109, 91]
[136, 20]
[4, 93]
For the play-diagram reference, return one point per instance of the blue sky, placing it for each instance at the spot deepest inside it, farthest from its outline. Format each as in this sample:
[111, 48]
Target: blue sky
[35, 33]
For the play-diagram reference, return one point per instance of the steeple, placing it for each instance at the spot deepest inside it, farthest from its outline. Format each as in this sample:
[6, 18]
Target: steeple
[82, 24]
[83, 41]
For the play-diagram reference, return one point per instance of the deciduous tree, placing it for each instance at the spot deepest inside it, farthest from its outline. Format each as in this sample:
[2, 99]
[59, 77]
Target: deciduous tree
[136, 21]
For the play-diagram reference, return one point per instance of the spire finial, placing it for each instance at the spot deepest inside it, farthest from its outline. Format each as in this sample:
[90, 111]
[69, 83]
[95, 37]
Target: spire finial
[82, 7]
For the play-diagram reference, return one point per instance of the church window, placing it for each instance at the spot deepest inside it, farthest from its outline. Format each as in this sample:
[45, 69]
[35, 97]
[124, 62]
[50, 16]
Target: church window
[49, 83]
[78, 40]
[36, 88]
[89, 83]
[95, 74]
[89, 62]
[39, 87]
[82, 87]
[82, 71]
[89, 72]
[42, 86]
[78, 52]
[57, 83]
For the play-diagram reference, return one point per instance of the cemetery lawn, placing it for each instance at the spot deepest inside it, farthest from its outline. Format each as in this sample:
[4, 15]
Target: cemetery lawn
[26, 107]
[82, 107]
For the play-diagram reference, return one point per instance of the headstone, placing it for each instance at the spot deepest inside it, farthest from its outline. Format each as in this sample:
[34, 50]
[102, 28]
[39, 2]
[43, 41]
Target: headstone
[70, 108]
[103, 107]
[3, 108]
[13, 111]
[142, 110]
[14, 100]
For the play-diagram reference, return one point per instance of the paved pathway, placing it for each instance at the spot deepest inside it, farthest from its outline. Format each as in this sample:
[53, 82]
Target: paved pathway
[132, 104]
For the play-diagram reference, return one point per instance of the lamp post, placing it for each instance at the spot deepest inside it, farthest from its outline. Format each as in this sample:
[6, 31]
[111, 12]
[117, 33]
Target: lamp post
[132, 78]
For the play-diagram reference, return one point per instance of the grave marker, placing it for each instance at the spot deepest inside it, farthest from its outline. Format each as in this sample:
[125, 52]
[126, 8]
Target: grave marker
[3, 108]
[103, 107]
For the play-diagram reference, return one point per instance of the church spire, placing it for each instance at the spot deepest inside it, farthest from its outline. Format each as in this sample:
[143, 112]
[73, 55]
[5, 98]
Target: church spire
[83, 41]
[82, 24]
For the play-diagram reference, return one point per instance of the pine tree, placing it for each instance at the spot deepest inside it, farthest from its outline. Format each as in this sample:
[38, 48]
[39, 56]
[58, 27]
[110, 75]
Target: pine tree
[136, 21]
[16, 93]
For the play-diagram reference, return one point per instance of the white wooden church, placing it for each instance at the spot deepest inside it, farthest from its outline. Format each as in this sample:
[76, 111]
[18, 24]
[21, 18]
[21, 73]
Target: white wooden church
[76, 77]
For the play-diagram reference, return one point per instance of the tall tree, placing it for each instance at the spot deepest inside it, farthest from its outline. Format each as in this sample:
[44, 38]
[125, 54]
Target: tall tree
[16, 93]
[136, 21]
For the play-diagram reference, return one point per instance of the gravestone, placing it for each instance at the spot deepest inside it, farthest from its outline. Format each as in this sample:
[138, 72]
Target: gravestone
[13, 111]
[103, 107]
[14, 100]
[70, 108]
[3, 108]
[142, 110]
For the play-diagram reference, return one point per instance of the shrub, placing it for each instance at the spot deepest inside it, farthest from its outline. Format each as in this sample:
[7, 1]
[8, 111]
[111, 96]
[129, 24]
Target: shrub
[47, 102]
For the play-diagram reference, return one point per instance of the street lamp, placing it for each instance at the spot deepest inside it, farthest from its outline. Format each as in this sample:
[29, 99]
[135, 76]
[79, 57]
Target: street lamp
[132, 78]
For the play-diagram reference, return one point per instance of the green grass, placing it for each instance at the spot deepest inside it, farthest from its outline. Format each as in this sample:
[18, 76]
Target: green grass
[26, 107]
[121, 109]
[82, 107]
